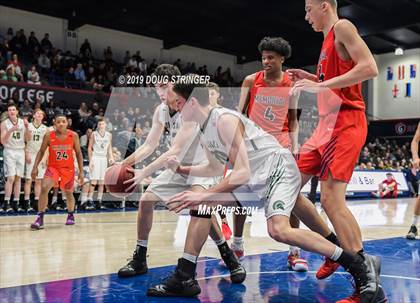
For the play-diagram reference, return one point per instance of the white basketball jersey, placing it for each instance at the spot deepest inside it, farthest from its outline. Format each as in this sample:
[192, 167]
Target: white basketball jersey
[17, 138]
[101, 144]
[259, 144]
[193, 152]
[38, 133]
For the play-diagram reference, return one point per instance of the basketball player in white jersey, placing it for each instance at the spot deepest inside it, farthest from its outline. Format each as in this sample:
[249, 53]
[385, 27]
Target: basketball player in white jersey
[100, 156]
[14, 131]
[166, 185]
[37, 132]
[262, 171]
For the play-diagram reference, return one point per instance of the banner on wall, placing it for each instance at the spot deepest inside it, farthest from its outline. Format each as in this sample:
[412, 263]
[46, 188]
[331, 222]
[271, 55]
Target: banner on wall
[398, 92]
[71, 97]
[363, 182]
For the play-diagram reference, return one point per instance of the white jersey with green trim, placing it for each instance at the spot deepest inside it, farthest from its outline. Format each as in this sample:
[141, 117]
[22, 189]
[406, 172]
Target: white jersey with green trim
[37, 136]
[101, 144]
[17, 138]
[193, 152]
[259, 144]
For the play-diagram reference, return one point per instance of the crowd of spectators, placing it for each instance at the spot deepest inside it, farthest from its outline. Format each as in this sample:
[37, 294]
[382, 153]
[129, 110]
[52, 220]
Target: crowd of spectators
[26, 59]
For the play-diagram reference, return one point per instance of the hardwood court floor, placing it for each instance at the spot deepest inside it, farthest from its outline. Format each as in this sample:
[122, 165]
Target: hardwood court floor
[100, 243]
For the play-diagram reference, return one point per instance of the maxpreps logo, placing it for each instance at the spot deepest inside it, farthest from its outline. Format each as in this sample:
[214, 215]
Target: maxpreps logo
[278, 205]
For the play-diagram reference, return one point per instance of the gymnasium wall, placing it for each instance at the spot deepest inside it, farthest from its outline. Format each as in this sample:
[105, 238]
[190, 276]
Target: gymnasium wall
[40, 24]
[384, 105]
[100, 38]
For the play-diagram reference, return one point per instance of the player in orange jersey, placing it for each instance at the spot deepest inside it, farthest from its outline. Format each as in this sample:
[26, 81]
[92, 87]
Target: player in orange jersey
[61, 143]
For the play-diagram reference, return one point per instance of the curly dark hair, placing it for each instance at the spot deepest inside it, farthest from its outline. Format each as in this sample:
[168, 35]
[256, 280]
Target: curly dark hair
[167, 70]
[275, 44]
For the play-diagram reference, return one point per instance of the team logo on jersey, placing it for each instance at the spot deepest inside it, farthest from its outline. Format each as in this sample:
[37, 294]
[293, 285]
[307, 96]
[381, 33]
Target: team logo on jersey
[278, 205]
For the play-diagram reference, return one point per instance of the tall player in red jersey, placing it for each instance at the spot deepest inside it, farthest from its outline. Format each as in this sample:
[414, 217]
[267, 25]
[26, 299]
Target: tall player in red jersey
[61, 142]
[345, 62]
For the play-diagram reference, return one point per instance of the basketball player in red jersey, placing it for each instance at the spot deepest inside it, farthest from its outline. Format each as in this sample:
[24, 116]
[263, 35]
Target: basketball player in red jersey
[61, 143]
[345, 62]
[265, 100]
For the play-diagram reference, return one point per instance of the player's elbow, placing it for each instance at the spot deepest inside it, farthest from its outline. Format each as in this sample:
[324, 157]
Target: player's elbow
[371, 70]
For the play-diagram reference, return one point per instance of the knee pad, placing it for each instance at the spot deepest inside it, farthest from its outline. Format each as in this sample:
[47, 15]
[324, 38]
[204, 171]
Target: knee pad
[194, 213]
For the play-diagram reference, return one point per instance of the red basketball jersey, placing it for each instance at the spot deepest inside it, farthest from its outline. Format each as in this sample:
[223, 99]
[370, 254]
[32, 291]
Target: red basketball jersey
[330, 65]
[61, 151]
[268, 107]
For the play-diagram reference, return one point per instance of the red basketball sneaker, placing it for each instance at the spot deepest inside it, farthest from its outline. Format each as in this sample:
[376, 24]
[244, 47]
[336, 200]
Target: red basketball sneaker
[354, 298]
[296, 263]
[327, 269]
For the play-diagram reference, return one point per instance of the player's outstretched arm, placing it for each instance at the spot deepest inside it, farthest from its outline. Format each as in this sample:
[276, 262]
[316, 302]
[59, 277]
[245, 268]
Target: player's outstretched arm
[365, 66]
[415, 148]
[211, 168]
[150, 144]
[231, 131]
[245, 93]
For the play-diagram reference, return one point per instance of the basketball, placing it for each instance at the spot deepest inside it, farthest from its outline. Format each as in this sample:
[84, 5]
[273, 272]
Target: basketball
[115, 176]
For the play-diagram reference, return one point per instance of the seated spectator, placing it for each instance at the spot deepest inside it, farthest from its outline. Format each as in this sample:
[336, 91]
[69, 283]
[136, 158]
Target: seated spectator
[109, 126]
[79, 73]
[108, 54]
[33, 76]
[46, 44]
[17, 65]
[127, 57]
[413, 177]
[143, 67]
[146, 128]
[10, 75]
[26, 109]
[84, 111]
[2, 61]
[84, 140]
[152, 67]
[136, 141]
[85, 49]
[132, 62]
[369, 166]
[33, 44]
[45, 63]
[70, 78]
[18, 43]
[388, 188]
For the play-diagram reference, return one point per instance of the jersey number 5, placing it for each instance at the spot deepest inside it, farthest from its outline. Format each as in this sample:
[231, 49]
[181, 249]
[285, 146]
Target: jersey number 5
[61, 156]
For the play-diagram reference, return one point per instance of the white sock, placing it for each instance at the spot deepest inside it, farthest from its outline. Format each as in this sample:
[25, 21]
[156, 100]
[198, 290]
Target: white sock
[142, 243]
[337, 253]
[190, 258]
[220, 242]
[294, 250]
[238, 242]
[416, 220]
